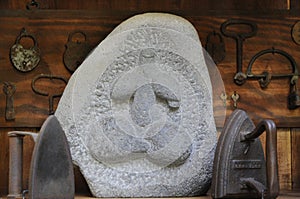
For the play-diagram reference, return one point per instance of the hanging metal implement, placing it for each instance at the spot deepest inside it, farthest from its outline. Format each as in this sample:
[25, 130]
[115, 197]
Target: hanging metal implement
[24, 59]
[240, 37]
[266, 77]
[44, 93]
[9, 90]
[76, 51]
[215, 46]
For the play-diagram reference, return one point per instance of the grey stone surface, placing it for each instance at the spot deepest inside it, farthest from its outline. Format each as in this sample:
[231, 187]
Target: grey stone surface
[138, 112]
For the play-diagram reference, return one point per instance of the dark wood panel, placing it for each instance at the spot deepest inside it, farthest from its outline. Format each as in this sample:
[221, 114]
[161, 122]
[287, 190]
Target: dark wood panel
[284, 159]
[4, 157]
[294, 4]
[296, 158]
[81, 185]
[150, 5]
[51, 29]
[272, 101]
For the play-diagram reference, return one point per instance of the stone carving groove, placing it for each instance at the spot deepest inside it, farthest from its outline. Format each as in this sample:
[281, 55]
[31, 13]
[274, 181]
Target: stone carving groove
[138, 112]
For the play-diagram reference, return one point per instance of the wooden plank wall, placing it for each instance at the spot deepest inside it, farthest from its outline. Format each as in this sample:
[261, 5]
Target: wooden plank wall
[99, 17]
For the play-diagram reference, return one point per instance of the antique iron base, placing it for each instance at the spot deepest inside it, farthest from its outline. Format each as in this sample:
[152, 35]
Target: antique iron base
[240, 168]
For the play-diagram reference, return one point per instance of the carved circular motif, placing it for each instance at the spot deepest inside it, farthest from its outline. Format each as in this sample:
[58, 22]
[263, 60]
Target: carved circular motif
[146, 127]
[149, 111]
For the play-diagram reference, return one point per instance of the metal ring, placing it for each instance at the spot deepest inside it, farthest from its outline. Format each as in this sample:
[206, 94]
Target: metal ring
[25, 34]
[76, 32]
[47, 76]
[238, 22]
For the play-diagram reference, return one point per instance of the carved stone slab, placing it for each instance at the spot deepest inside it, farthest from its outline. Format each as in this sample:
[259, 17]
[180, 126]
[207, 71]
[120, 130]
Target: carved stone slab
[138, 112]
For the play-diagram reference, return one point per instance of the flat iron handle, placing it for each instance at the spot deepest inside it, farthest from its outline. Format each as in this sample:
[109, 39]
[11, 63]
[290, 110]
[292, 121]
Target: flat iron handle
[271, 154]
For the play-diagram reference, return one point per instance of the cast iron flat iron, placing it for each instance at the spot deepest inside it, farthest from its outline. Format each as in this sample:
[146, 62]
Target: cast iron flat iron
[240, 168]
[51, 172]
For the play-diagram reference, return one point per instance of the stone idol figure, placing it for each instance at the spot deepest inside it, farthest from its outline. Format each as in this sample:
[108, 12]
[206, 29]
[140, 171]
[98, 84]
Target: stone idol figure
[138, 112]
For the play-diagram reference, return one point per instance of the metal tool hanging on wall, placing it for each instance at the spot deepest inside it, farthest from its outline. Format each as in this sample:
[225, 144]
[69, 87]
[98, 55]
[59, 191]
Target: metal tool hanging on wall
[266, 77]
[23, 59]
[215, 46]
[240, 169]
[76, 51]
[240, 77]
[44, 93]
[9, 90]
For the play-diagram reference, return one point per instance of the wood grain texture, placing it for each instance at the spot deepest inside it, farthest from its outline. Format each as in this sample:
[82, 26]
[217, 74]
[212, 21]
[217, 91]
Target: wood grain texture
[284, 159]
[146, 5]
[296, 158]
[272, 101]
[294, 4]
[52, 28]
[4, 157]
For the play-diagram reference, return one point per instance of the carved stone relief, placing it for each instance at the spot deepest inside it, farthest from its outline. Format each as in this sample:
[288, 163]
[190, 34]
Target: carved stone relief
[138, 112]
